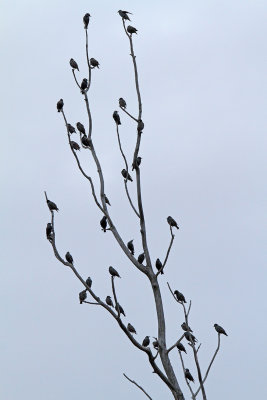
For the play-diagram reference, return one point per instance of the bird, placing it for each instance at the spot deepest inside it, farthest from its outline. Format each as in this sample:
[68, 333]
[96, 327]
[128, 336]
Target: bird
[180, 297]
[122, 102]
[124, 15]
[80, 127]
[107, 200]
[82, 296]
[140, 125]
[74, 145]
[60, 105]
[109, 301]
[86, 142]
[126, 175]
[186, 327]
[136, 163]
[131, 246]
[86, 19]
[73, 64]
[131, 29]
[89, 281]
[159, 265]
[49, 231]
[51, 205]
[220, 330]
[103, 223]
[188, 375]
[190, 337]
[69, 258]
[146, 341]
[156, 344]
[172, 222]
[71, 128]
[119, 307]
[116, 118]
[131, 329]
[181, 347]
[113, 272]
[84, 84]
[94, 63]
[141, 258]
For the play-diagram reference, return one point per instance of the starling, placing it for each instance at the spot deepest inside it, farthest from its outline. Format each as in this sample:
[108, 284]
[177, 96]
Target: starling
[172, 222]
[103, 223]
[220, 330]
[124, 15]
[116, 118]
[141, 258]
[86, 142]
[69, 258]
[130, 328]
[71, 128]
[188, 375]
[190, 337]
[122, 102]
[113, 272]
[131, 246]
[80, 128]
[146, 341]
[156, 344]
[94, 63]
[74, 145]
[131, 29]
[82, 296]
[186, 327]
[89, 281]
[140, 125]
[84, 84]
[181, 347]
[159, 265]
[52, 206]
[119, 307]
[73, 64]
[109, 301]
[179, 296]
[126, 175]
[49, 231]
[136, 163]
[107, 200]
[60, 105]
[86, 20]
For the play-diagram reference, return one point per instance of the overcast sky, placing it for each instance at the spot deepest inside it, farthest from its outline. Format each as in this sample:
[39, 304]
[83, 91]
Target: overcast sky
[202, 68]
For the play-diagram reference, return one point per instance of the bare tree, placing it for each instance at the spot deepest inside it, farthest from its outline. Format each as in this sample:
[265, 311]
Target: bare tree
[161, 365]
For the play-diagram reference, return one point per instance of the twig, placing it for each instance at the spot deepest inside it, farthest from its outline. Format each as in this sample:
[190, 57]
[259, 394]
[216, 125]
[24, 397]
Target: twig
[89, 302]
[182, 361]
[75, 79]
[115, 297]
[175, 344]
[130, 115]
[136, 384]
[168, 252]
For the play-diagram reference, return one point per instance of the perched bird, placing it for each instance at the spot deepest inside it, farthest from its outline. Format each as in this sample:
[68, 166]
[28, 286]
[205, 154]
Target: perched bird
[51, 205]
[49, 231]
[89, 281]
[179, 296]
[109, 301]
[146, 341]
[156, 344]
[80, 128]
[188, 375]
[159, 265]
[103, 223]
[122, 102]
[69, 258]
[181, 347]
[126, 175]
[113, 272]
[60, 105]
[107, 200]
[82, 296]
[131, 246]
[220, 330]
[116, 118]
[186, 327]
[94, 63]
[140, 125]
[124, 15]
[130, 328]
[84, 84]
[141, 258]
[86, 142]
[131, 29]
[73, 64]
[172, 222]
[190, 337]
[86, 19]
[119, 307]
[136, 163]
[71, 129]
[74, 145]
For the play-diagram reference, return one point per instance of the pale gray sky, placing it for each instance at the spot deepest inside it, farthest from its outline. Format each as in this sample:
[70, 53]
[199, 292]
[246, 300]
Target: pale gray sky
[202, 67]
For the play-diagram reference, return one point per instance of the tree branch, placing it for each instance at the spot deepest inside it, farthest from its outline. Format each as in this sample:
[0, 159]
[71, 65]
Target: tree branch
[175, 344]
[136, 384]
[182, 361]
[168, 252]
[130, 115]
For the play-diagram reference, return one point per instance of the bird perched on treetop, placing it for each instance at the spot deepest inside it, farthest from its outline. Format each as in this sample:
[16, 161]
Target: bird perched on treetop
[103, 223]
[188, 375]
[179, 296]
[94, 63]
[220, 330]
[109, 301]
[131, 246]
[84, 84]
[80, 128]
[141, 258]
[89, 281]
[82, 296]
[74, 145]
[126, 175]
[116, 118]
[69, 258]
[136, 163]
[124, 15]
[113, 272]
[190, 337]
[181, 347]
[186, 327]
[86, 19]
[60, 105]
[49, 231]
[119, 307]
[51, 205]
[159, 265]
[130, 328]
[146, 341]
[122, 102]
[71, 128]
[73, 64]
[86, 142]
[131, 29]
[172, 222]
